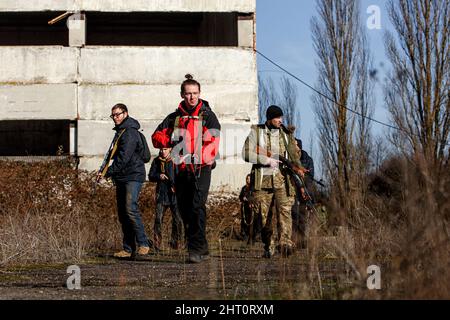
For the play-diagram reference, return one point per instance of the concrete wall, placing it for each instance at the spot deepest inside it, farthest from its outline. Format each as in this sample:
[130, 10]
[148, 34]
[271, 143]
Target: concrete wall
[83, 83]
[146, 79]
[130, 5]
[38, 101]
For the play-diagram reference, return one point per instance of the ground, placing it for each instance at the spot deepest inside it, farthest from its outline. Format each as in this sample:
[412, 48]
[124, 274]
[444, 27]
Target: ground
[234, 271]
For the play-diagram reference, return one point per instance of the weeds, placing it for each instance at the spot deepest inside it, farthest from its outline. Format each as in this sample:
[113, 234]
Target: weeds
[50, 214]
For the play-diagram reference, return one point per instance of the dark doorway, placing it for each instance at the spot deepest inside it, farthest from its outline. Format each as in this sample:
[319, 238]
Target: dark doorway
[162, 29]
[34, 137]
[31, 28]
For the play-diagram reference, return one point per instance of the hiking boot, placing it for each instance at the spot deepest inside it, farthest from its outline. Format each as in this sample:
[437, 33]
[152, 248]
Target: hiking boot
[157, 250]
[175, 245]
[142, 251]
[286, 250]
[122, 254]
[197, 258]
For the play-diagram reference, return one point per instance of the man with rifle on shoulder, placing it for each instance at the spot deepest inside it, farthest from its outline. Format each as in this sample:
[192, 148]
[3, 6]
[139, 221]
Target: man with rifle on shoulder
[266, 147]
[129, 151]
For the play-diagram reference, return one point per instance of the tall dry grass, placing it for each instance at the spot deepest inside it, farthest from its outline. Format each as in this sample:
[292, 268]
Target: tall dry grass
[49, 212]
[402, 226]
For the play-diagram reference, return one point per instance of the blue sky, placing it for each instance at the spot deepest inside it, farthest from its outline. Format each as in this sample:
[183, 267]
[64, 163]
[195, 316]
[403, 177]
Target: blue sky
[283, 34]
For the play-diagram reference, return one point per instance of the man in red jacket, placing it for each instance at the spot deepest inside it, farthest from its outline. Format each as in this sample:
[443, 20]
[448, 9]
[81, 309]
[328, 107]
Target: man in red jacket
[193, 132]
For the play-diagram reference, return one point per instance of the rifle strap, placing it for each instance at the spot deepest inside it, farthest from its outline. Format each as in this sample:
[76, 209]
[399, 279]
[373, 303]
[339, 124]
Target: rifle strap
[112, 153]
[198, 143]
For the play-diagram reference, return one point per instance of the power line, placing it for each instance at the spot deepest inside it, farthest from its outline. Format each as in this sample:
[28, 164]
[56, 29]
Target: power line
[335, 102]
[326, 97]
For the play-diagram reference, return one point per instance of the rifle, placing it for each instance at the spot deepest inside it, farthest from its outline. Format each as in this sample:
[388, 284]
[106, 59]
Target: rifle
[108, 156]
[293, 171]
[320, 183]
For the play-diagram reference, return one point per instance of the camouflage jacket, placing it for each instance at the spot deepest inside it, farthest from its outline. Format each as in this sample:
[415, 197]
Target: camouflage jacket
[277, 141]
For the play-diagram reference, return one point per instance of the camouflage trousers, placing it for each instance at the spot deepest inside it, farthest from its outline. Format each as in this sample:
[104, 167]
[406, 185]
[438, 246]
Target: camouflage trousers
[266, 203]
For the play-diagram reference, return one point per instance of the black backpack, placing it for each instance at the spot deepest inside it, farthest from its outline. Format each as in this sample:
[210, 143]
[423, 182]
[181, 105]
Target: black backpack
[145, 152]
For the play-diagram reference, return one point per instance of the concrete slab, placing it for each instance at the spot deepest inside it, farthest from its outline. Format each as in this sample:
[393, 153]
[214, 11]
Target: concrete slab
[77, 30]
[38, 65]
[166, 65]
[229, 177]
[245, 33]
[130, 5]
[154, 102]
[40, 101]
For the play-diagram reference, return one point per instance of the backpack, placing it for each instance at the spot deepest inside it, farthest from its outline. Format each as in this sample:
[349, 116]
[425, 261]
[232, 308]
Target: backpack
[145, 152]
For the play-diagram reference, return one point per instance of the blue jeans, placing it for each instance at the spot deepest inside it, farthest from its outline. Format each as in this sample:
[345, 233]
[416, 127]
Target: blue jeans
[129, 216]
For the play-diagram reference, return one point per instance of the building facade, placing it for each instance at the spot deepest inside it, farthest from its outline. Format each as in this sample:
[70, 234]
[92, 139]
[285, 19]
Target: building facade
[59, 81]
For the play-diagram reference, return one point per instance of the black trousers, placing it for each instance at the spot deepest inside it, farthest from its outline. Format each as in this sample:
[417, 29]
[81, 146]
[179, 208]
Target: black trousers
[177, 227]
[192, 193]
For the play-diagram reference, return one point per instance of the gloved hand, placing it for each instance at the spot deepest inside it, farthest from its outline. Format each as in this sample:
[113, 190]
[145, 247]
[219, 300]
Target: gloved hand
[273, 163]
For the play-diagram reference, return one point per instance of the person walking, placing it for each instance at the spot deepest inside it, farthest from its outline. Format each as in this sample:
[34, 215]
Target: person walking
[193, 131]
[128, 174]
[271, 182]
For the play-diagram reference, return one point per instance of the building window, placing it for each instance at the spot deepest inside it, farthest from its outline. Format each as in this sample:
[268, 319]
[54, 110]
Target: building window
[34, 137]
[123, 29]
[162, 29]
[31, 28]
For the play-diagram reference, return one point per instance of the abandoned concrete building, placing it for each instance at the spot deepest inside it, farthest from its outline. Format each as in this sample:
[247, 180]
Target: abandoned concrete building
[58, 81]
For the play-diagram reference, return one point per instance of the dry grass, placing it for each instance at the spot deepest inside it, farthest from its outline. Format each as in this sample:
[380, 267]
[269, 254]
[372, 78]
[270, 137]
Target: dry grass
[402, 226]
[49, 213]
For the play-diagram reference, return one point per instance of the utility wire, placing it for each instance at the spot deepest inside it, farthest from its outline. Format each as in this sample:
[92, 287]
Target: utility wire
[332, 100]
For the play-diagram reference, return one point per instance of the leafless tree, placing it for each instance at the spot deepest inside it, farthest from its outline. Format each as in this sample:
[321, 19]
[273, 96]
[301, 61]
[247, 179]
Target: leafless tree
[267, 95]
[283, 93]
[343, 75]
[289, 93]
[418, 88]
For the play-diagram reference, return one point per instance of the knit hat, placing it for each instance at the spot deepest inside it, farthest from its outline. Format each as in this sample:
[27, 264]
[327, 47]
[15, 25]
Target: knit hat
[273, 112]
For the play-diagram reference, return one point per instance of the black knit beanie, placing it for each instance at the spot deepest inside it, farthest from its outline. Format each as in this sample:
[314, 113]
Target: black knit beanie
[273, 112]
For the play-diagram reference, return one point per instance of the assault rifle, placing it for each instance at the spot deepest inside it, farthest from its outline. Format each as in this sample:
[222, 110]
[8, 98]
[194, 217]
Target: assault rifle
[108, 156]
[295, 172]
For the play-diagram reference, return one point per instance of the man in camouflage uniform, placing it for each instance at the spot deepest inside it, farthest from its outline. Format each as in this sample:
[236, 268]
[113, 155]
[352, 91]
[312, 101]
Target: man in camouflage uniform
[270, 182]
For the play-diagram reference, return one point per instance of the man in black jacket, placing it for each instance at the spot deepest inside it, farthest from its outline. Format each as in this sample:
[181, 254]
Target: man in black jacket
[299, 209]
[128, 174]
[162, 172]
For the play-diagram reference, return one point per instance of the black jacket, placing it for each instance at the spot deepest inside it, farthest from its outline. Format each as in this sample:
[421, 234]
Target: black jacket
[308, 163]
[128, 164]
[164, 194]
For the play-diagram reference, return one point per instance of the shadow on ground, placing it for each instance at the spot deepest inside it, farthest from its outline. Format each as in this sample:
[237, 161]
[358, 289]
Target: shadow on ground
[235, 271]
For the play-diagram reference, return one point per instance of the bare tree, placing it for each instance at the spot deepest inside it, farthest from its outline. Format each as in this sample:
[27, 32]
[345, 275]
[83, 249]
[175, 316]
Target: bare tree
[343, 64]
[418, 88]
[289, 93]
[283, 93]
[267, 95]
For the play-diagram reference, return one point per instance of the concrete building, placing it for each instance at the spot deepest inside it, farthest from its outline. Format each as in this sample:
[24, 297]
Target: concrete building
[58, 82]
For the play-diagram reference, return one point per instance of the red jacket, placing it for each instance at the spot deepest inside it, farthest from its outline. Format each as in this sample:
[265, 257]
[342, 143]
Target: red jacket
[190, 145]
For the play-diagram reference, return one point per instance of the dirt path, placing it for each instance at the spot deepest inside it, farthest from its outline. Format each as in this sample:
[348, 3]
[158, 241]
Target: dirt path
[235, 272]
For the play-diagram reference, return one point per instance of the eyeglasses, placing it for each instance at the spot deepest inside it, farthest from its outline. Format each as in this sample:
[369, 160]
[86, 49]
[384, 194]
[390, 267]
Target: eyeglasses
[116, 115]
